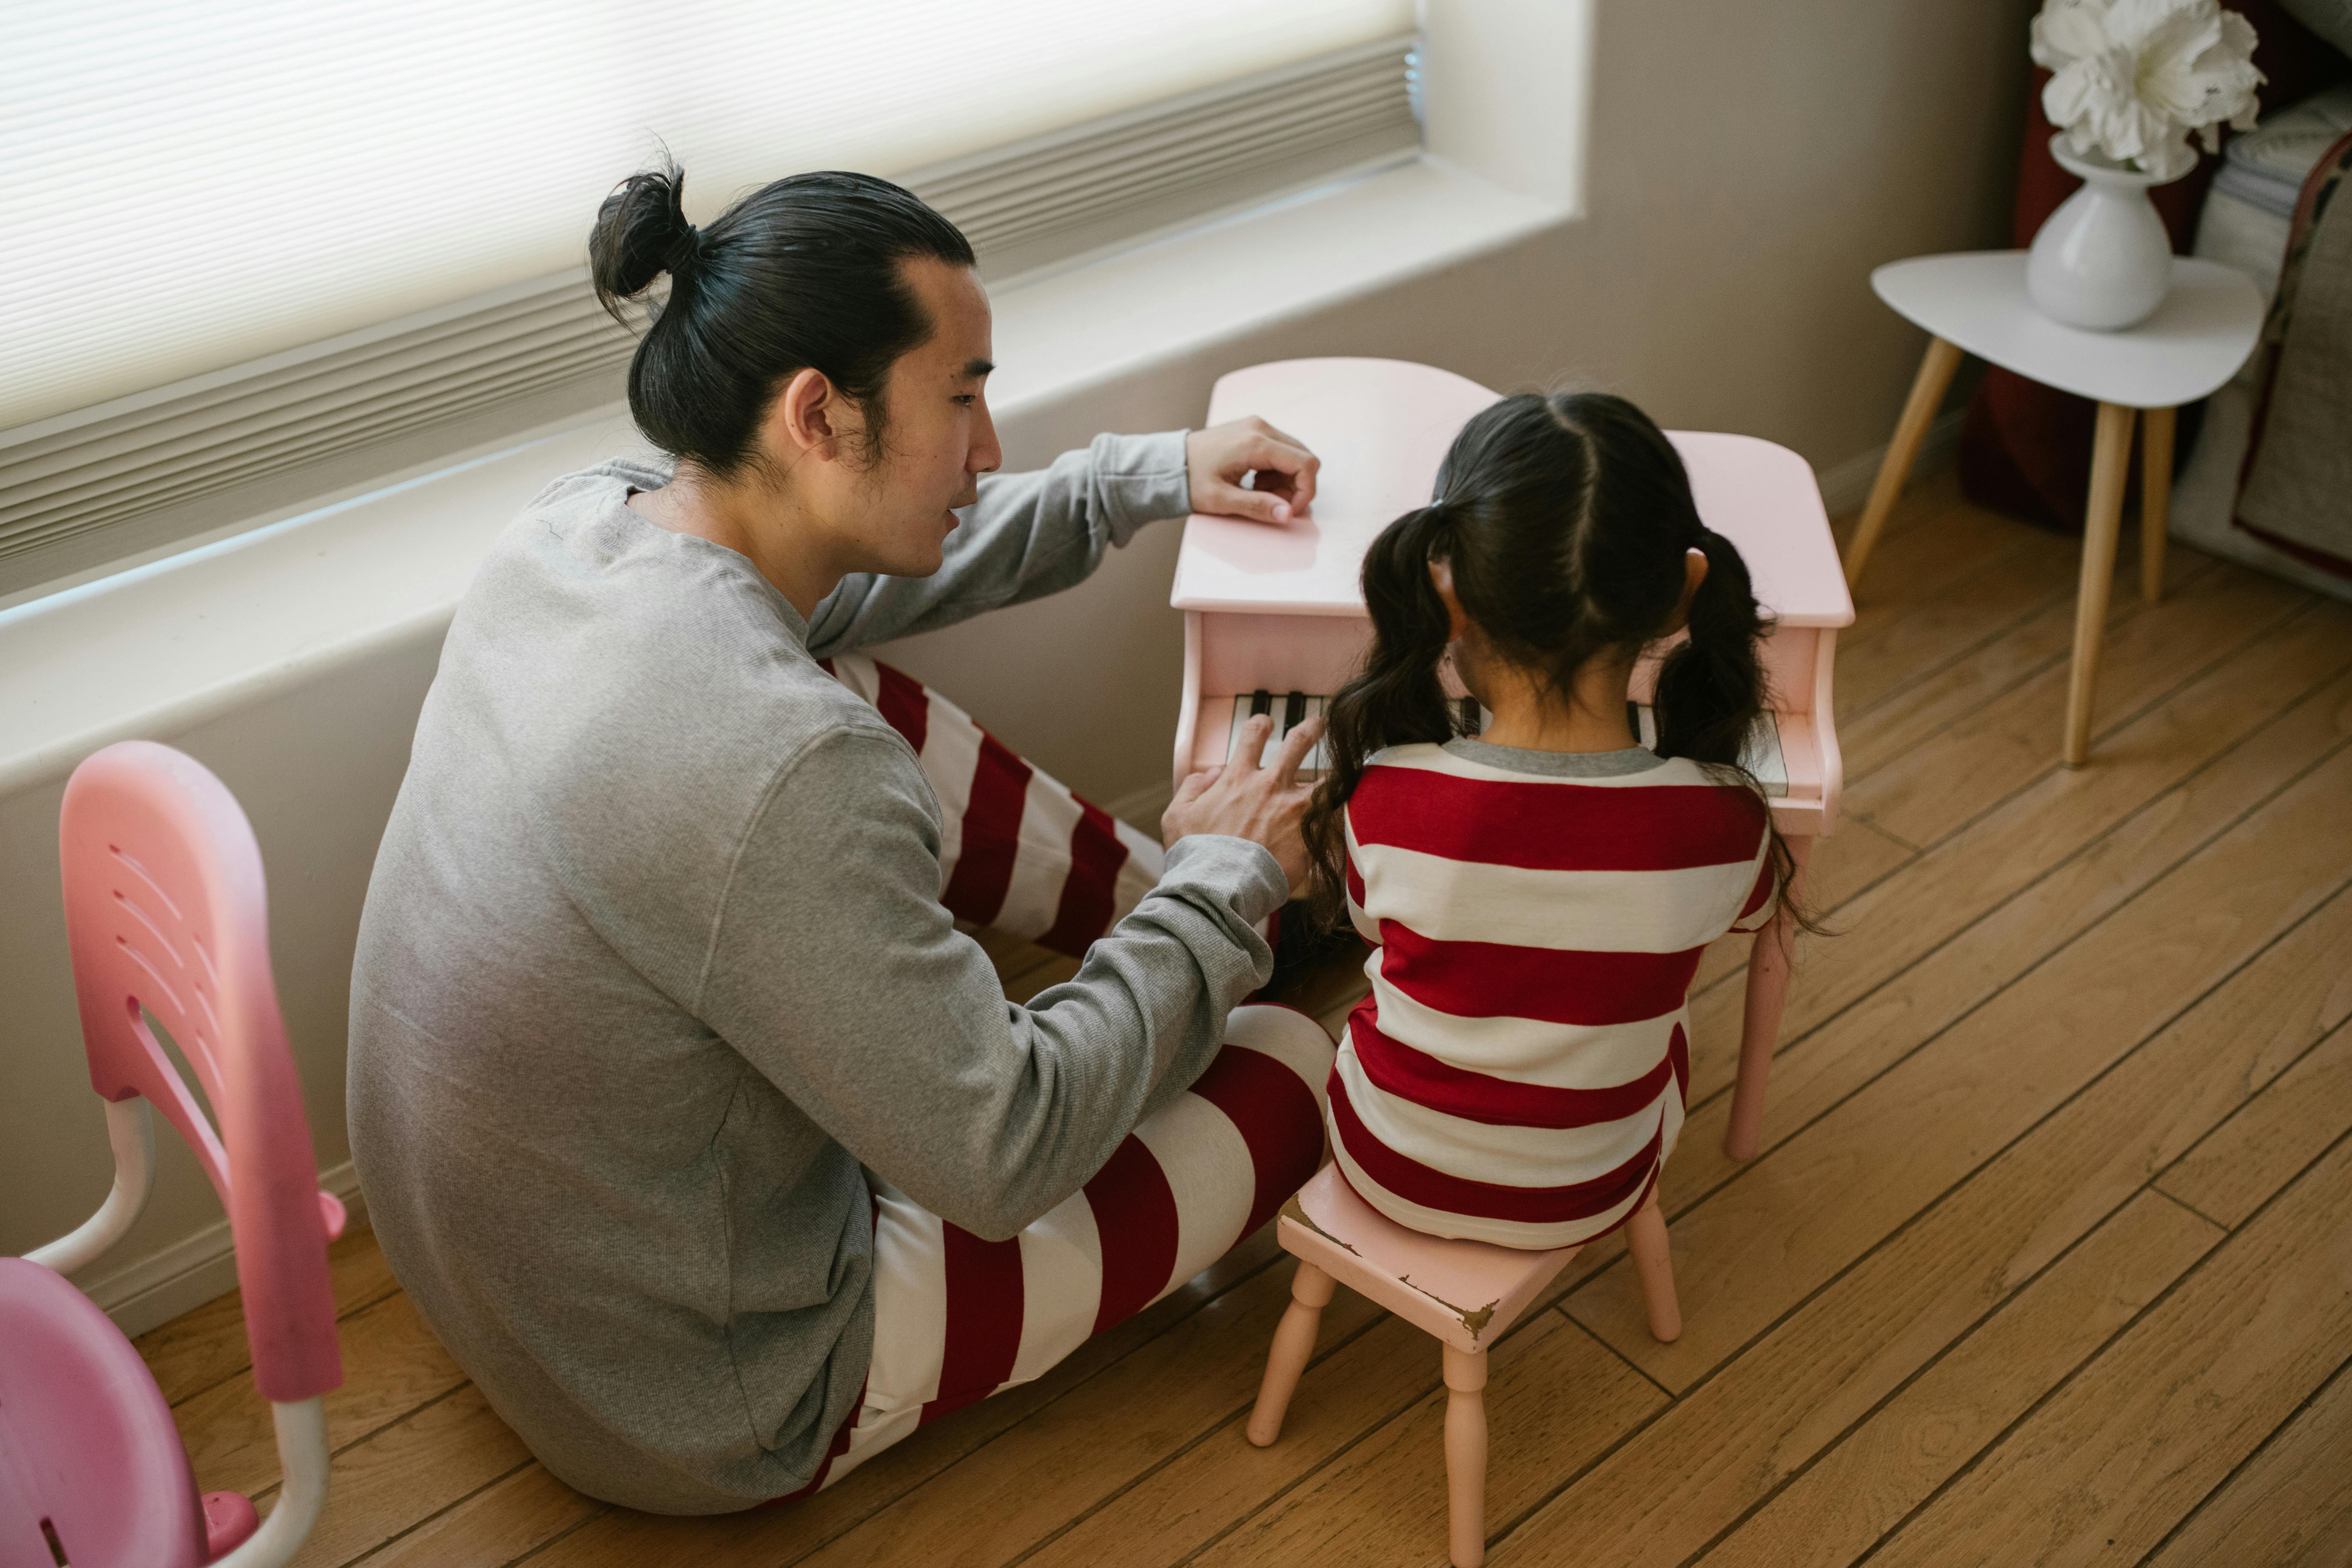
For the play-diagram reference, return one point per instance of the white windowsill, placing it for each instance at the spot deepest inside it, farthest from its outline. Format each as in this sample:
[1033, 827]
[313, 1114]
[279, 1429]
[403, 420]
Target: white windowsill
[176, 641]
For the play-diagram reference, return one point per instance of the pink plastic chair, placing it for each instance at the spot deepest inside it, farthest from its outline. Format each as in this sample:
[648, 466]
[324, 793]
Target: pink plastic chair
[165, 911]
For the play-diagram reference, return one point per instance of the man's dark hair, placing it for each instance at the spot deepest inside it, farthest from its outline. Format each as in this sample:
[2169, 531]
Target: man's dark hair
[802, 273]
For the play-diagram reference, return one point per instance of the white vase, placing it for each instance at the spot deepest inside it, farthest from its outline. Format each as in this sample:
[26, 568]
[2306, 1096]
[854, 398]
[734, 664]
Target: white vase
[2103, 259]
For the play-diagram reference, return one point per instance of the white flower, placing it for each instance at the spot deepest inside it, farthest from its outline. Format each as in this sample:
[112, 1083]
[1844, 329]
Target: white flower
[2132, 78]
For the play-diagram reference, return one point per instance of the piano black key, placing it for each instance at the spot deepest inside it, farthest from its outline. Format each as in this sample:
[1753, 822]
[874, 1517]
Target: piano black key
[1261, 701]
[1294, 712]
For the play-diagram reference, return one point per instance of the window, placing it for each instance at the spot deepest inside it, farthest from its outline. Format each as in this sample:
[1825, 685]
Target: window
[246, 237]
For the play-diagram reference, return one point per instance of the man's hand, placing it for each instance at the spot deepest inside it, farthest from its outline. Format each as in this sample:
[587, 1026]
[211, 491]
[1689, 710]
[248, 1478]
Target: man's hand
[1281, 472]
[1246, 800]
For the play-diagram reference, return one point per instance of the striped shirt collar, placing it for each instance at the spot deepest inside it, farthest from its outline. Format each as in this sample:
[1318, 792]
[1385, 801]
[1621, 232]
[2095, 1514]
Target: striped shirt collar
[1557, 764]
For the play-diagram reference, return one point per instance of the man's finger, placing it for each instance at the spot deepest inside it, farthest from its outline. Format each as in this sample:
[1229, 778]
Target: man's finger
[1196, 785]
[1295, 747]
[1232, 501]
[1297, 466]
[1255, 730]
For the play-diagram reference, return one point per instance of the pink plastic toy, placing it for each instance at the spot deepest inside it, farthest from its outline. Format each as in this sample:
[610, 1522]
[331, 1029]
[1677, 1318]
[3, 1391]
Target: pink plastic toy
[1276, 609]
[166, 912]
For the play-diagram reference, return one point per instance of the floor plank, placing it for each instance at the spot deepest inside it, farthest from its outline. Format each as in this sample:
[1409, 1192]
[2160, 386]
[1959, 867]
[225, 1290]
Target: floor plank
[1766, 1241]
[1934, 541]
[1173, 1392]
[421, 1464]
[517, 1515]
[1203, 1491]
[2246, 1159]
[1890, 732]
[1054, 969]
[1836, 1510]
[1555, 1400]
[2102, 1471]
[1726, 1445]
[2020, 578]
[2093, 858]
[391, 1364]
[1855, 858]
[2013, 739]
[2290, 1506]
[201, 1348]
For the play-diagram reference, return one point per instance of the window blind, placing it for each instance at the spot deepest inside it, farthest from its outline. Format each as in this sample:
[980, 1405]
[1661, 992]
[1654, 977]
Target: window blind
[186, 185]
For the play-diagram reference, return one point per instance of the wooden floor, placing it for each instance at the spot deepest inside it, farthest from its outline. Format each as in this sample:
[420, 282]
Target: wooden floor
[2047, 1258]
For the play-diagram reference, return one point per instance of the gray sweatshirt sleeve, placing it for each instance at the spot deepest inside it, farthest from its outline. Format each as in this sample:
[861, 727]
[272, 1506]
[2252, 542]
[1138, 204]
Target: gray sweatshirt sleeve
[1028, 535]
[835, 972]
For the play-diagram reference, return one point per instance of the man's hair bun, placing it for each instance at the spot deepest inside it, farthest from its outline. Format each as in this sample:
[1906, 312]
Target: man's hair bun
[641, 233]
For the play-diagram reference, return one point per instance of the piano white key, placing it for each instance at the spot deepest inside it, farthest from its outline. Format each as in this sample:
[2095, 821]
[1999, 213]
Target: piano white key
[1762, 755]
[1233, 735]
[1278, 709]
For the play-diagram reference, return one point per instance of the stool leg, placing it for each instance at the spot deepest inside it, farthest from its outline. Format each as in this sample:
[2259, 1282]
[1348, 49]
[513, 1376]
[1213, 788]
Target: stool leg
[1769, 959]
[1465, 1457]
[1294, 1343]
[1919, 412]
[2154, 498]
[2102, 520]
[1646, 1238]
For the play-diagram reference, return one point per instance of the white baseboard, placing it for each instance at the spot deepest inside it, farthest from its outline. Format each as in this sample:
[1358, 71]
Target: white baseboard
[198, 1268]
[1845, 486]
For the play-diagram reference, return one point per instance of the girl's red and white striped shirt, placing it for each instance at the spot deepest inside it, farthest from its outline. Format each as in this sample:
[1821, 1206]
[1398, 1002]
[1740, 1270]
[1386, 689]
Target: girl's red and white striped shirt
[1518, 1073]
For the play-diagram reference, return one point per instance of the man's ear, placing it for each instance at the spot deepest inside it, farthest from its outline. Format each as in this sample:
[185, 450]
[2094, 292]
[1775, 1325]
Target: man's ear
[1441, 577]
[803, 419]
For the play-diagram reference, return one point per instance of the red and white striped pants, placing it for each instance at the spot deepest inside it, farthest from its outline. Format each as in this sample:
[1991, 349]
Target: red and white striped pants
[957, 1318]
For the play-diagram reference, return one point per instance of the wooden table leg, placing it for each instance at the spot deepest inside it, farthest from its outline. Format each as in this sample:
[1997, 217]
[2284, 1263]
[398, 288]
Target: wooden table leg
[2110, 462]
[1919, 412]
[2154, 498]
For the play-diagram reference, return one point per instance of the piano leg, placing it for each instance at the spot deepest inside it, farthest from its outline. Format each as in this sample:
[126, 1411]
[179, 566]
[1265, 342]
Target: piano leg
[1759, 1031]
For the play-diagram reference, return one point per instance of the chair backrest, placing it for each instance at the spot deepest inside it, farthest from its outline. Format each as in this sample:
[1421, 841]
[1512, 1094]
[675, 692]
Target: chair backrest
[166, 910]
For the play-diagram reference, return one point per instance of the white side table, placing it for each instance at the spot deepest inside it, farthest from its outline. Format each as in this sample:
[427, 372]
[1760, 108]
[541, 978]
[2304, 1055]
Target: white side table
[1975, 302]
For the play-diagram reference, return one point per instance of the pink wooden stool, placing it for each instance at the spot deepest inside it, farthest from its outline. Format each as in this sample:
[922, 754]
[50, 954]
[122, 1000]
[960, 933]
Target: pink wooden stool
[166, 918]
[1467, 1293]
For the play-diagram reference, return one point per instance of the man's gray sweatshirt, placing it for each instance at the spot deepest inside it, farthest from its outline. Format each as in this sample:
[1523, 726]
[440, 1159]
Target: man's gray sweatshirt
[653, 959]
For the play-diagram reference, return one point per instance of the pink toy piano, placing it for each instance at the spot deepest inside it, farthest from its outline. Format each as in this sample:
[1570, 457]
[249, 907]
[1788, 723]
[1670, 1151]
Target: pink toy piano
[1275, 621]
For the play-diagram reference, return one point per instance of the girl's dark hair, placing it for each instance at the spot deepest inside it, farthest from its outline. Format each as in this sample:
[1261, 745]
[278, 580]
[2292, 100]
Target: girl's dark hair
[801, 273]
[1565, 519]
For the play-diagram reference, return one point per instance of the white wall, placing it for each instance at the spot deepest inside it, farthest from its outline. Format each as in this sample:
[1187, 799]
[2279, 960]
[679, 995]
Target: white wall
[1749, 164]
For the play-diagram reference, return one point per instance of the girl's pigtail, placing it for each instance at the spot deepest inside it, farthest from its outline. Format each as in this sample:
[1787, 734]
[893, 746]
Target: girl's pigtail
[1711, 689]
[1397, 698]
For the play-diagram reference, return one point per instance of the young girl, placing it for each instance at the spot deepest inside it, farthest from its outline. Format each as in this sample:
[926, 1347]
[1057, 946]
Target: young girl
[1538, 894]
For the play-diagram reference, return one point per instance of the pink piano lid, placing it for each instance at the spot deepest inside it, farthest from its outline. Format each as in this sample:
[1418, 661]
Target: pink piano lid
[1763, 498]
[1381, 427]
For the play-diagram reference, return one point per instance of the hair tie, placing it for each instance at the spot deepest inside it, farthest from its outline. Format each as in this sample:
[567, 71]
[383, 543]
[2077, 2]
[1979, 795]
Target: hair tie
[684, 247]
[685, 251]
